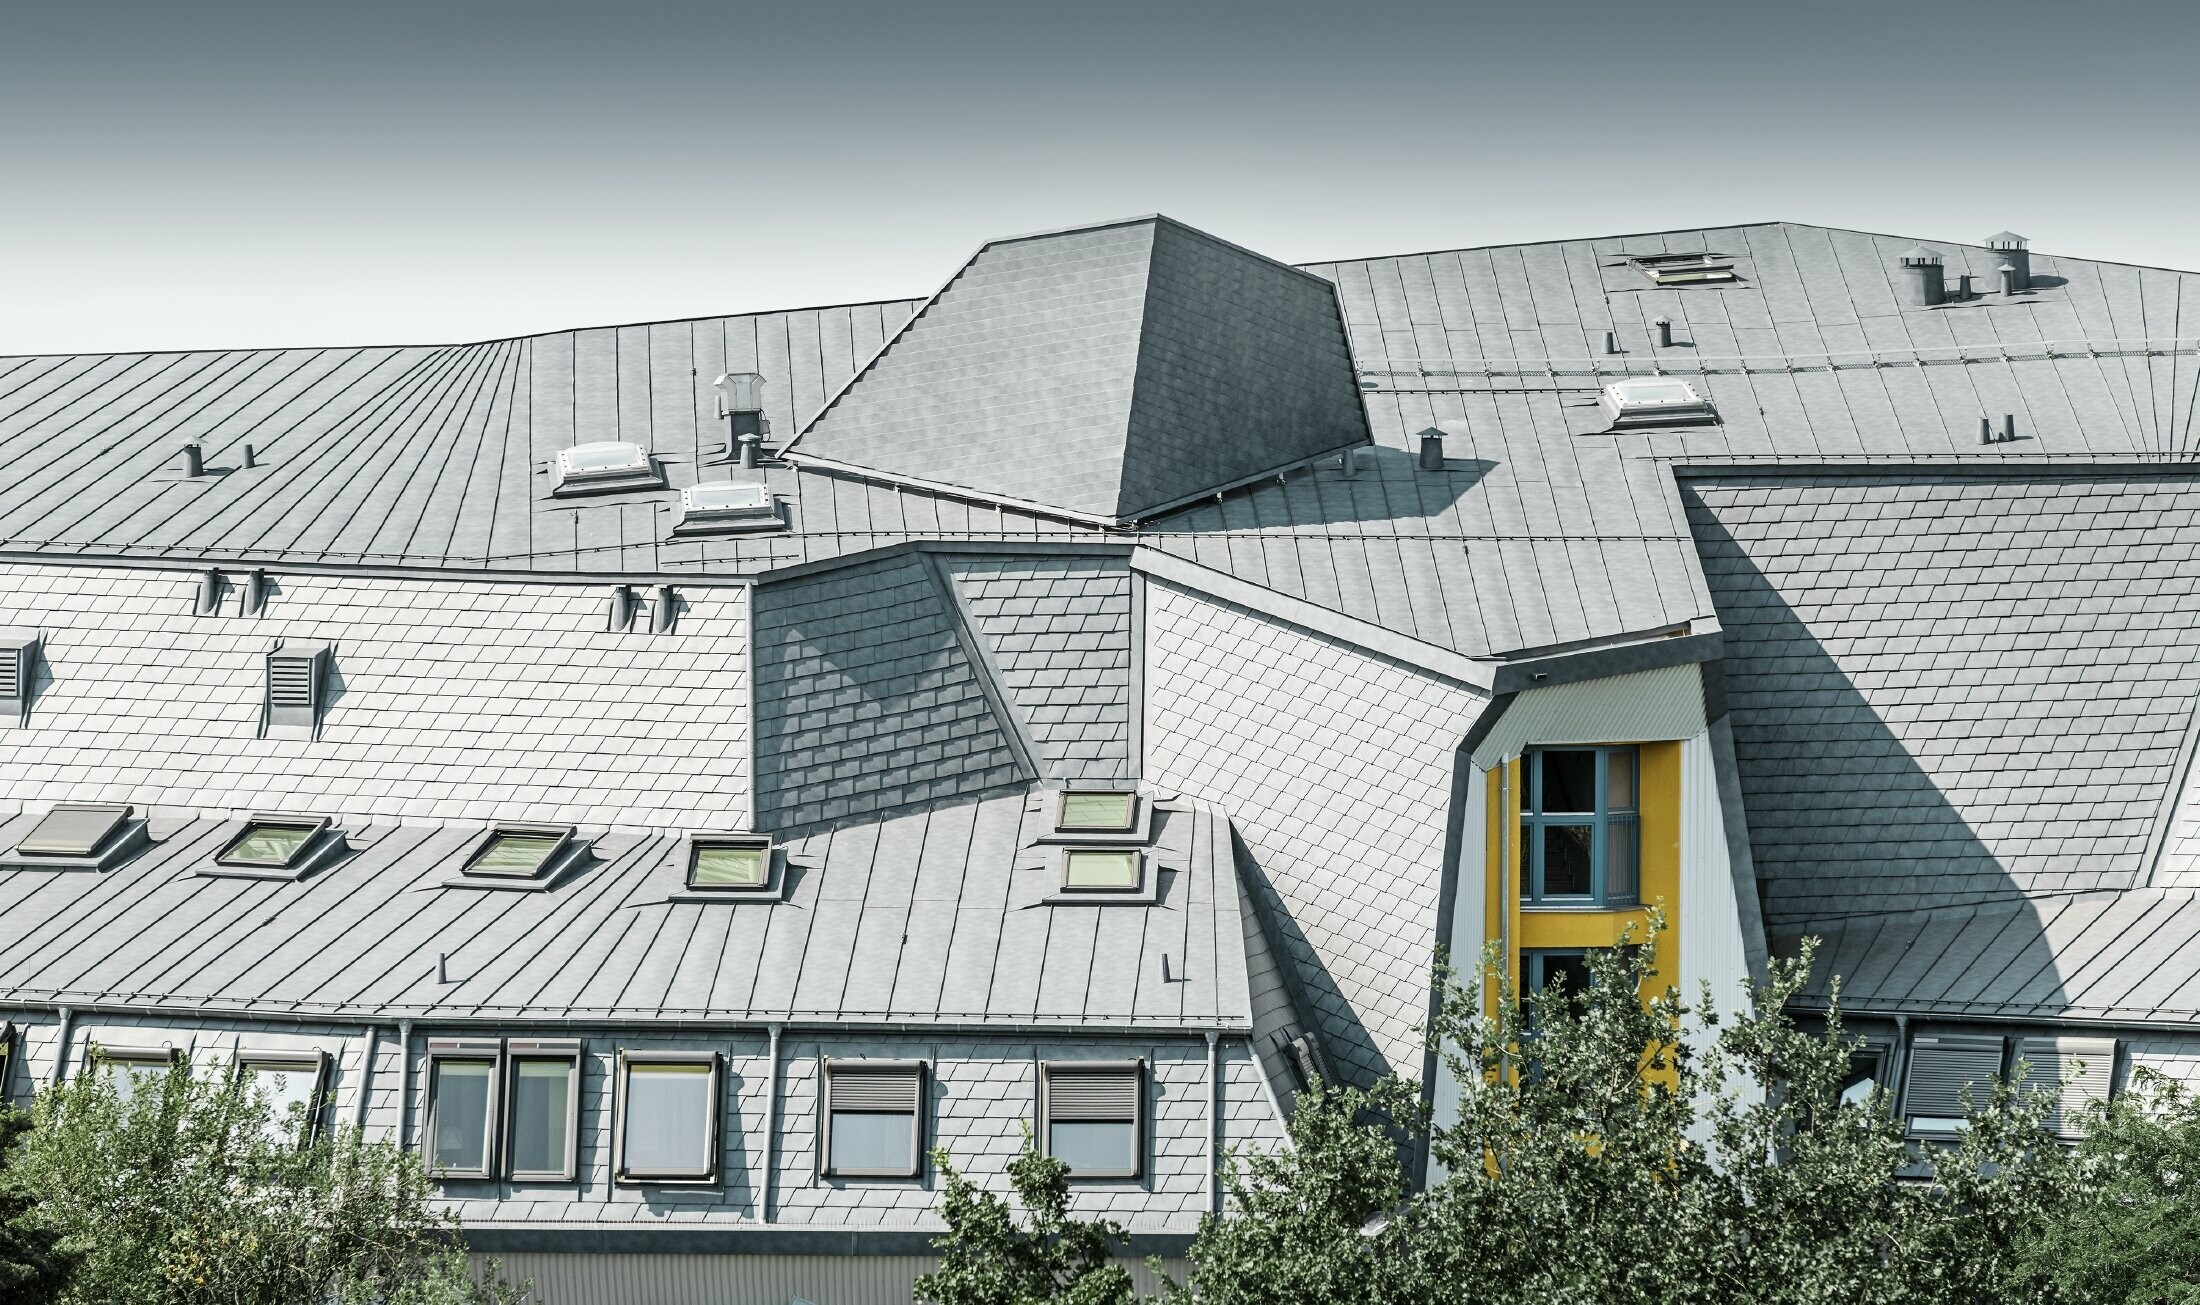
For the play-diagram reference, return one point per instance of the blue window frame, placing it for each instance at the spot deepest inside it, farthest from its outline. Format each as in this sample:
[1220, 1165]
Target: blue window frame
[1579, 829]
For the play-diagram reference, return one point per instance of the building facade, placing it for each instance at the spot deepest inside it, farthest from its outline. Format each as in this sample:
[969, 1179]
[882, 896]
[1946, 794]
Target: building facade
[675, 776]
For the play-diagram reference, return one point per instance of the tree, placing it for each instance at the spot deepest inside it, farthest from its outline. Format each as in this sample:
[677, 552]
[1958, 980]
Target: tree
[2132, 1236]
[33, 1268]
[180, 1189]
[988, 1258]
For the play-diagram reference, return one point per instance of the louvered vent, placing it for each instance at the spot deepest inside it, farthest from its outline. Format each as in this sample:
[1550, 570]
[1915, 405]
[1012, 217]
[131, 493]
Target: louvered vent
[2085, 1067]
[290, 681]
[18, 672]
[1941, 1067]
[11, 673]
[892, 1090]
[1099, 1096]
[296, 676]
[1307, 1060]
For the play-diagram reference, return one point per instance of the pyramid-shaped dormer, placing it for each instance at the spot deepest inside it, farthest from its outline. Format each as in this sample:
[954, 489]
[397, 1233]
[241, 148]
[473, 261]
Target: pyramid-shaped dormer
[1104, 374]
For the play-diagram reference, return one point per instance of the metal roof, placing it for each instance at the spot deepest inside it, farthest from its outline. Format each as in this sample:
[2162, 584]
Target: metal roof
[936, 918]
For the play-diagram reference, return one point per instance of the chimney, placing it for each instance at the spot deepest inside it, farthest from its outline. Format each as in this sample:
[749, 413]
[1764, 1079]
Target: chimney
[1432, 450]
[1922, 283]
[193, 463]
[1964, 292]
[2014, 252]
[1665, 332]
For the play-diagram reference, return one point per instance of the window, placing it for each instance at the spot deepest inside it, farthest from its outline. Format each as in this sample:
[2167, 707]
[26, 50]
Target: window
[74, 829]
[729, 862]
[1867, 1074]
[462, 1106]
[133, 1069]
[543, 1118]
[2085, 1067]
[1684, 269]
[873, 1118]
[293, 1084]
[1111, 811]
[1093, 1116]
[1656, 401]
[7, 1060]
[727, 505]
[1102, 870]
[1941, 1067]
[271, 842]
[1578, 830]
[519, 851]
[603, 466]
[668, 1117]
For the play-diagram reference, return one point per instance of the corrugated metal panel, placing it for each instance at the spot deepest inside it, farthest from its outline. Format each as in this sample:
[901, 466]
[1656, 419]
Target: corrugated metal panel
[1712, 949]
[631, 1279]
[1666, 703]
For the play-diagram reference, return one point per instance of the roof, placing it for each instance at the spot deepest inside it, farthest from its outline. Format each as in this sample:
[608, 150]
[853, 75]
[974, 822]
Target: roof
[1107, 372]
[933, 918]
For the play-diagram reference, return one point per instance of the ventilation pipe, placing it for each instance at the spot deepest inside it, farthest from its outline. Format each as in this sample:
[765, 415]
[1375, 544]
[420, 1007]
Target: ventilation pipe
[1349, 463]
[1964, 292]
[194, 461]
[750, 445]
[662, 601]
[1923, 282]
[209, 600]
[251, 459]
[1985, 430]
[2008, 272]
[1665, 332]
[741, 402]
[1611, 342]
[1432, 450]
[619, 610]
[2008, 427]
[2015, 252]
[255, 592]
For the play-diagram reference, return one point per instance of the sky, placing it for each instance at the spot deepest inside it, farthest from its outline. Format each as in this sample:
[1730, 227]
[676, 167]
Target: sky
[234, 175]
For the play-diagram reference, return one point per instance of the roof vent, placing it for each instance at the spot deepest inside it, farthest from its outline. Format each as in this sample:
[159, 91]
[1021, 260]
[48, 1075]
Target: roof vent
[604, 467]
[2016, 253]
[727, 507]
[297, 682]
[194, 463]
[18, 673]
[741, 401]
[1656, 401]
[1924, 282]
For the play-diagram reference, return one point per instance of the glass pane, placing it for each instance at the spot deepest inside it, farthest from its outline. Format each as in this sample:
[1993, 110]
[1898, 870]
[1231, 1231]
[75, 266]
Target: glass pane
[866, 1140]
[724, 496]
[1863, 1076]
[726, 866]
[1619, 861]
[1093, 1147]
[608, 456]
[269, 844]
[667, 1118]
[458, 1099]
[1101, 870]
[541, 1110]
[1619, 781]
[132, 1075]
[1096, 810]
[513, 854]
[1567, 972]
[1569, 781]
[1566, 860]
[288, 1091]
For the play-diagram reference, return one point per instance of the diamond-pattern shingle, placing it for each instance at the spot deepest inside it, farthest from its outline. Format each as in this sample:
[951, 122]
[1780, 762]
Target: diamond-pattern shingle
[1059, 631]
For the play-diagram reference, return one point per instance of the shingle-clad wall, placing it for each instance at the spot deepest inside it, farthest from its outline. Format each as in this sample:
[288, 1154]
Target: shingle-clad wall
[867, 701]
[450, 701]
[1335, 766]
[1059, 631]
[1951, 690]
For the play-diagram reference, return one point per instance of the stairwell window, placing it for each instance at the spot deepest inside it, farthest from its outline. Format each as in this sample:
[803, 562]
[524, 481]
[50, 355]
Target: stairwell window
[1579, 828]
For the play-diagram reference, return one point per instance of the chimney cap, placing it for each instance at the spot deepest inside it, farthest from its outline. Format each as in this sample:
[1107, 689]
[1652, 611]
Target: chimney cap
[2005, 240]
[2006, 267]
[1921, 254]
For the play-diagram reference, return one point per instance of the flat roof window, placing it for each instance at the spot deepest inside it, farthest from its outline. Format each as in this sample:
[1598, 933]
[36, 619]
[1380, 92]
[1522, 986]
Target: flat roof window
[1656, 401]
[668, 1117]
[606, 458]
[727, 505]
[518, 851]
[1102, 870]
[272, 843]
[1110, 811]
[1684, 269]
[728, 862]
[76, 829]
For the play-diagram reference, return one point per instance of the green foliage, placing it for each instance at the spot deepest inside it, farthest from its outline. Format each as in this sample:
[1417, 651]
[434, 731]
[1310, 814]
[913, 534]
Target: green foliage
[988, 1258]
[185, 1192]
[33, 1268]
[2132, 1236]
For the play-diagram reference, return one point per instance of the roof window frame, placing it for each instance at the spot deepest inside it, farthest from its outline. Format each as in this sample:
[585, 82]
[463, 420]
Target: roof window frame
[567, 1051]
[123, 837]
[641, 472]
[322, 843]
[728, 520]
[564, 855]
[713, 1142]
[1692, 408]
[1686, 268]
[471, 1050]
[1138, 833]
[832, 1069]
[692, 844]
[314, 1060]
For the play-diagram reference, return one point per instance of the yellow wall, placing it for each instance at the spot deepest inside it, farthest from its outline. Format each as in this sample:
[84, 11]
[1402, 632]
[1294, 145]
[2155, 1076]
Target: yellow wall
[1660, 817]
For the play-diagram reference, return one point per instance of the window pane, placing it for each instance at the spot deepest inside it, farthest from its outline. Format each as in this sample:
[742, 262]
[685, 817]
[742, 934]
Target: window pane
[1096, 810]
[1088, 869]
[541, 1109]
[1862, 1078]
[727, 866]
[132, 1075]
[667, 1118]
[1566, 860]
[1619, 860]
[866, 1140]
[1093, 1147]
[458, 1098]
[287, 1089]
[270, 844]
[1619, 780]
[513, 854]
[1569, 780]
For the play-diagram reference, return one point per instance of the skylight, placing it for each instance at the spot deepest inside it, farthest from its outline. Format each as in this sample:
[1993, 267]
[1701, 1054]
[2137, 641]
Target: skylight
[727, 505]
[605, 465]
[1656, 401]
[74, 829]
[1684, 269]
[271, 843]
[518, 851]
[1105, 870]
[728, 862]
[1110, 811]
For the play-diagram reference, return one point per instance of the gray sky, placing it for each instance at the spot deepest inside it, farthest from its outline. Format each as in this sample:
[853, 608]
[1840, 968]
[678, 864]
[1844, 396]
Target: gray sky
[214, 174]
